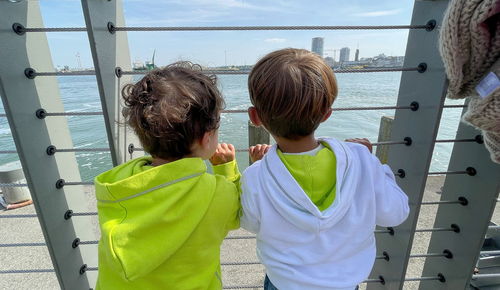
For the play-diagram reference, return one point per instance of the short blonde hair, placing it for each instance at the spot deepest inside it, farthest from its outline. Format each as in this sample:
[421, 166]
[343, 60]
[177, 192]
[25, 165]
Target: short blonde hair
[292, 90]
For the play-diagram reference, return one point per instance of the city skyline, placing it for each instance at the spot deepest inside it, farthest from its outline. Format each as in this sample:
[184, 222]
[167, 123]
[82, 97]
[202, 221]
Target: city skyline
[233, 47]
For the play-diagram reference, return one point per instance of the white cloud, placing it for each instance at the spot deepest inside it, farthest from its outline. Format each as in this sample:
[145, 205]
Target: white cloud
[225, 4]
[275, 40]
[378, 13]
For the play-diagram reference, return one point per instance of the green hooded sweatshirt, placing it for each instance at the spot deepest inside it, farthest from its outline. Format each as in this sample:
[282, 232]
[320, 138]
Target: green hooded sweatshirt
[162, 227]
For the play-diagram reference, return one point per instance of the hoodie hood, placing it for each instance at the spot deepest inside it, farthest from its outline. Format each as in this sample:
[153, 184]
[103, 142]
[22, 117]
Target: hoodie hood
[292, 202]
[147, 213]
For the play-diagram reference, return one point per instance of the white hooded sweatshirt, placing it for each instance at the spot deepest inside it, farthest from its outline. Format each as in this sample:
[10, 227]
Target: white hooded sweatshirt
[304, 248]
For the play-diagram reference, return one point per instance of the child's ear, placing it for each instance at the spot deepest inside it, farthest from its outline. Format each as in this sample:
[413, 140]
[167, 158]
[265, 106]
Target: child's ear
[205, 140]
[327, 115]
[254, 116]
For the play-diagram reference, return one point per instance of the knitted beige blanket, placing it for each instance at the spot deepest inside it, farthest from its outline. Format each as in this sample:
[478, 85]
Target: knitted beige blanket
[470, 47]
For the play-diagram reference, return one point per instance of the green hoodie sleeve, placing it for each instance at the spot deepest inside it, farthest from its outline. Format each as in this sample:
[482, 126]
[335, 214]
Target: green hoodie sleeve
[231, 172]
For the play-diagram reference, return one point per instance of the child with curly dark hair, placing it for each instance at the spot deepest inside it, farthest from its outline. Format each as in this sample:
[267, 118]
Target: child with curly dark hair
[163, 217]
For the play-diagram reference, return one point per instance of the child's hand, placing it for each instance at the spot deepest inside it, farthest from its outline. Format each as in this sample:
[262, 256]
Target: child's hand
[223, 154]
[258, 151]
[362, 141]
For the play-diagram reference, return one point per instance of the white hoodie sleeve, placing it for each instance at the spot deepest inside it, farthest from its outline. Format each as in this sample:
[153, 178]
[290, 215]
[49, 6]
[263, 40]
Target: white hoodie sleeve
[391, 202]
[249, 220]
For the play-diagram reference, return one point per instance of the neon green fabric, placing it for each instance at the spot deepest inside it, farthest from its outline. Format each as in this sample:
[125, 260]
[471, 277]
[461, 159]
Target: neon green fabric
[316, 175]
[162, 227]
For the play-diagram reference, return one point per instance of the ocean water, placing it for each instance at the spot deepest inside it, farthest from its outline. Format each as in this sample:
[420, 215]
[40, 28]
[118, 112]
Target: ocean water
[80, 94]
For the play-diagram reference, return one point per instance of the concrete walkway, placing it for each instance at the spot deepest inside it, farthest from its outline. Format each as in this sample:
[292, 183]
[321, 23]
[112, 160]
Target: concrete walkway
[233, 250]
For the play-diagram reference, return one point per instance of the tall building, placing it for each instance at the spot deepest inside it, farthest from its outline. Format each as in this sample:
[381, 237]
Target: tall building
[356, 56]
[317, 46]
[344, 54]
[329, 61]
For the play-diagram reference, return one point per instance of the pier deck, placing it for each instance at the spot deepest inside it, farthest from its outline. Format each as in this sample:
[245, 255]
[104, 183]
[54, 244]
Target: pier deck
[240, 250]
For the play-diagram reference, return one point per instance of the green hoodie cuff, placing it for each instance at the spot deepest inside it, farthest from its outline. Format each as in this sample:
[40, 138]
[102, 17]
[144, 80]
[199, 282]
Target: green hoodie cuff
[229, 170]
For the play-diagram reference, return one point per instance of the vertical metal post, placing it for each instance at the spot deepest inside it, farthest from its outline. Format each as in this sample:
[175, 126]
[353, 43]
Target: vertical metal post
[481, 191]
[257, 135]
[22, 97]
[110, 53]
[384, 134]
[427, 88]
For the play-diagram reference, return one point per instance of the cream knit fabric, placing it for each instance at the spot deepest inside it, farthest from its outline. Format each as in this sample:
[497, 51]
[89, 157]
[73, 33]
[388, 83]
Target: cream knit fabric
[470, 46]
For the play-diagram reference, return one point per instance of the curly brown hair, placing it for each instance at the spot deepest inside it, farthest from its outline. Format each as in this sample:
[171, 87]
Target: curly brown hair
[172, 107]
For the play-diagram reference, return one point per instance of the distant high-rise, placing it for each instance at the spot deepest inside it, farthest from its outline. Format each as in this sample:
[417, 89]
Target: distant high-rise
[330, 61]
[344, 54]
[356, 56]
[317, 46]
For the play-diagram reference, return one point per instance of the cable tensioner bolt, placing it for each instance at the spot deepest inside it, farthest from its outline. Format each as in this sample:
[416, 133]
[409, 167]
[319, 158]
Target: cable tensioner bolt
[68, 214]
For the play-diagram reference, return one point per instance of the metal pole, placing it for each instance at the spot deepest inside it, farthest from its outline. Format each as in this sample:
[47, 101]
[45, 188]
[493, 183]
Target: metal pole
[427, 88]
[481, 190]
[257, 135]
[22, 97]
[109, 51]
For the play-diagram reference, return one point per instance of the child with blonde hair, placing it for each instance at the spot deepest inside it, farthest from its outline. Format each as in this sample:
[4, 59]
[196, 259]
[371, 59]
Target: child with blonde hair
[313, 202]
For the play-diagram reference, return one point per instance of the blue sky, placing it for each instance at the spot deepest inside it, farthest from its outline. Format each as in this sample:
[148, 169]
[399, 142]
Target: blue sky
[234, 47]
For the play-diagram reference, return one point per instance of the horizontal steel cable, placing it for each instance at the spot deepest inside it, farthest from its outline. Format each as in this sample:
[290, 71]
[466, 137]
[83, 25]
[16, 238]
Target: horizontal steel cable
[240, 263]
[455, 140]
[388, 143]
[239, 111]
[39, 244]
[8, 151]
[448, 172]
[55, 29]
[84, 150]
[430, 255]
[65, 183]
[372, 281]
[11, 216]
[22, 29]
[22, 245]
[441, 202]
[246, 111]
[16, 216]
[479, 276]
[89, 242]
[13, 185]
[490, 252]
[133, 149]
[60, 73]
[84, 213]
[435, 230]
[74, 114]
[3, 115]
[79, 183]
[243, 287]
[26, 271]
[245, 72]
[251, 28]
[239, 237]
[441, 278]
